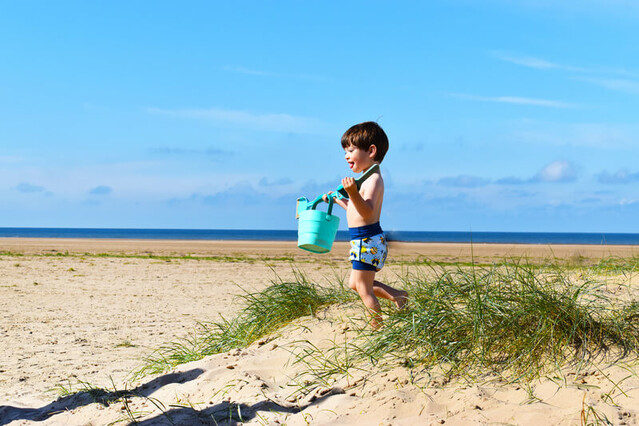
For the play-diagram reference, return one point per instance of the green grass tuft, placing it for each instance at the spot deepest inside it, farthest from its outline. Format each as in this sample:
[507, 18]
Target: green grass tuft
[514, 318]
[264, 313]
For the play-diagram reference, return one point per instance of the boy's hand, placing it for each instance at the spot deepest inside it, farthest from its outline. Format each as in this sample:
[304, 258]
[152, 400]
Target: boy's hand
[350, 186]
[326, 196]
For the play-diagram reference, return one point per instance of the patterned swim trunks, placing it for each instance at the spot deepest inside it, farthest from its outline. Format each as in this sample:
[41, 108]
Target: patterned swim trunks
[369, 253]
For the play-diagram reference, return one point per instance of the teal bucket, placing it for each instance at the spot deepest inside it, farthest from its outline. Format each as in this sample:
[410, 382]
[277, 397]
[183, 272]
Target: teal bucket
[316, 230]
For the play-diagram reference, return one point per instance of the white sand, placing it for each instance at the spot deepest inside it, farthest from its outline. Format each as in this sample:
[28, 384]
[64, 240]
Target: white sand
[72, 318]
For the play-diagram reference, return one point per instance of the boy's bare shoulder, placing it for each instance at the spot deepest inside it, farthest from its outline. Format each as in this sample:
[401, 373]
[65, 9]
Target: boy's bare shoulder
[374, 183]
[377, 178]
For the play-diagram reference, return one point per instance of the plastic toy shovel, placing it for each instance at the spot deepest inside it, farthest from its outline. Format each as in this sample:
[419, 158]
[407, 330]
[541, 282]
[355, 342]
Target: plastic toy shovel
[316, 230]
[372, 169]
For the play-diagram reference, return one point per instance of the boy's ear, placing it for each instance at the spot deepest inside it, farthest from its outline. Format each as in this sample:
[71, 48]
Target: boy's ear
[372, 151]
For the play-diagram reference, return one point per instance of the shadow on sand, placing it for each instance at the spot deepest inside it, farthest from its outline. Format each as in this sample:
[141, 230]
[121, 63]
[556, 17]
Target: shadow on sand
[227, 413]
[224, 413]
[82, 398]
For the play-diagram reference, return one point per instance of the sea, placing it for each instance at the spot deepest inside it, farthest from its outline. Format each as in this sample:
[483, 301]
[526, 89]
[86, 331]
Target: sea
[291, 235]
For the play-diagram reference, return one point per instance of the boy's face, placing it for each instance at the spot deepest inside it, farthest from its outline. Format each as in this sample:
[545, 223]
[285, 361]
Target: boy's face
[359, 160]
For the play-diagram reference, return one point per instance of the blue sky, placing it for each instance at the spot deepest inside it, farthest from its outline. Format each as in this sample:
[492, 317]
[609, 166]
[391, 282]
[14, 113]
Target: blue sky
[501, 115]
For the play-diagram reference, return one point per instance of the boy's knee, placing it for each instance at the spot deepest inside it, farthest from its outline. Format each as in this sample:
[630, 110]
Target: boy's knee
[363, 289]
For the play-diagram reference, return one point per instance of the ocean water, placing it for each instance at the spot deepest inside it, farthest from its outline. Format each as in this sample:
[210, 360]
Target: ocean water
[291, 235]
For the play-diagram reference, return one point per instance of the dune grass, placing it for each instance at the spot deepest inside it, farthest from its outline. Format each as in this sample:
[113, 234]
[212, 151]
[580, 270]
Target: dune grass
[263, 313]
[512, 319]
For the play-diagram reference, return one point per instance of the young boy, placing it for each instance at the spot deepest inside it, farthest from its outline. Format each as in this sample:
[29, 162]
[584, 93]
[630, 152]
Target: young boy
[366, 144]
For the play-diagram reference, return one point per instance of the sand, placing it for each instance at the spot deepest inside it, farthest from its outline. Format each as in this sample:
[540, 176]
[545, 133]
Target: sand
[80, 318]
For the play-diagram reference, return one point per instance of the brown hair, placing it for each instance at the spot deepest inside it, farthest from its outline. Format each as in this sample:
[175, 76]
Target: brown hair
[363, 135]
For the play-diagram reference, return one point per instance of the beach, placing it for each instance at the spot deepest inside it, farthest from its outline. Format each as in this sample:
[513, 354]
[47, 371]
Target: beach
[86, 312]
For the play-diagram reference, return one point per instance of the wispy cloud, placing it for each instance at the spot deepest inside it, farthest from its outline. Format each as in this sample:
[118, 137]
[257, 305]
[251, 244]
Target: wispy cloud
[628, 202]
[529, 62]
[557, 171]
[517, 100]
[248, 71]
[463, 181]
[622, 176]
[599, 135]
[510, 180]
[618, 79]
[594, 8]
[537, 63]
[251, 71]
[267, 182]
[258, 121]
[29, 188]
[101, 190]
[10, 159]
[617, 84]
[172, 150]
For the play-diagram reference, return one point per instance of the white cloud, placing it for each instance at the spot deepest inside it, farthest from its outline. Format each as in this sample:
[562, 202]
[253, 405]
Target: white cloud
[607, 77]
[10, 160]
[265, 121]
[463, 181]
[537, 63]
[617, 84]
[248, 71]
[176, 150]
[557, 171]
[25, 187]
[570, 9]
[278, 182]
[627, 202]
[101, 190]
[530, 101]
[516, 100]
[510, 180]
[597, 135]
[142, 181]
[619, 177]
[251, 71]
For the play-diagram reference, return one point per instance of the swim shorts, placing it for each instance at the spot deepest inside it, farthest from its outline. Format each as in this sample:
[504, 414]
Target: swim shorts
[368, 247]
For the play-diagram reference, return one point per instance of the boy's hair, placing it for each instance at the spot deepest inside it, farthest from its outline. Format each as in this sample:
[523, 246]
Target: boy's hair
[363, 135]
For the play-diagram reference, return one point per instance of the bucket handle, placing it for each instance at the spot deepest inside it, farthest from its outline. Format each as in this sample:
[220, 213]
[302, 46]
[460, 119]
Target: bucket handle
[331, 201]
[331, 198]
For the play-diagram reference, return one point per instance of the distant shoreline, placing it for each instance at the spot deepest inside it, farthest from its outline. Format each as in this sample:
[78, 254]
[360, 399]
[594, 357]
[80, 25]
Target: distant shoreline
[492, 237]
[288, 250]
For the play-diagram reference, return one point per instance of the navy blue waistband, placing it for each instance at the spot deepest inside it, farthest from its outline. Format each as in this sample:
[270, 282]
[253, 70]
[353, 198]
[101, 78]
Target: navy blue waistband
[365, 231]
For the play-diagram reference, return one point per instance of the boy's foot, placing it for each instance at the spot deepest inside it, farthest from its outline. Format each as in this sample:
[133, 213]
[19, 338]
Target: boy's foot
[401, 300]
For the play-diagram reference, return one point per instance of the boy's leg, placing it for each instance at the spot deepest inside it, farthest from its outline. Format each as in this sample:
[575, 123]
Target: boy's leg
[362, 283]
[384, 291]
